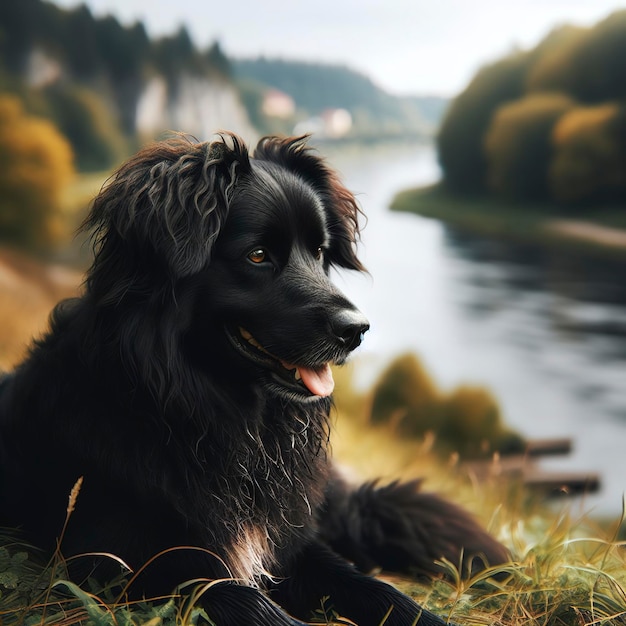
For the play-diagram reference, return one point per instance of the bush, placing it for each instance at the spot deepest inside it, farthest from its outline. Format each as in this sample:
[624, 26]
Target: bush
[405, 396]
[472, 425]
[36, 163]
[467, 421]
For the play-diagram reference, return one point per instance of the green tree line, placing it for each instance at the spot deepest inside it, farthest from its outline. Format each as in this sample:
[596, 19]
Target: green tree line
[546, 124]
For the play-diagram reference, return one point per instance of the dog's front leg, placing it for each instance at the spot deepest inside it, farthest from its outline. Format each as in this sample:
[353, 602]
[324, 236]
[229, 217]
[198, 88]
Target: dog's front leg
[225, 600]
[318, 573]
[230, 604]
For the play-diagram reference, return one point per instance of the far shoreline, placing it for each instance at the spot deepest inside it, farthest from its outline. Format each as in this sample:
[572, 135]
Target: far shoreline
[540, 224]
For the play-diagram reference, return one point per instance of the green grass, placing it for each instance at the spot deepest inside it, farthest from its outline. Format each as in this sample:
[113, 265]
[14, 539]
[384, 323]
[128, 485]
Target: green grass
[560, 574]
[563, 572]
[517, 221]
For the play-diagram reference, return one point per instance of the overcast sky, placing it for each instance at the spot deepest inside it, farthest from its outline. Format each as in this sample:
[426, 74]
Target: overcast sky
[405, 46]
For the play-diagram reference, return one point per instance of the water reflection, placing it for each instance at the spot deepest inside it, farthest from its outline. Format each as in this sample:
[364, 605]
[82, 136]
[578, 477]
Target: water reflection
[582, 300]
[546, 331]
[578, 276]
[562, 317]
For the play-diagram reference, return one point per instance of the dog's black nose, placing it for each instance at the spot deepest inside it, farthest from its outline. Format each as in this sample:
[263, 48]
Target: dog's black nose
[349, 327]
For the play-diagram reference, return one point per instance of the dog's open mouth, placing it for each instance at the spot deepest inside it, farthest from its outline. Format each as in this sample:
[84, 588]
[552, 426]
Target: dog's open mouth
[313, 381]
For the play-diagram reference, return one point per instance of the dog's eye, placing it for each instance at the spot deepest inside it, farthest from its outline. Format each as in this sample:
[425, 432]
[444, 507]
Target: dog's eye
[319, 253]
[257, 256]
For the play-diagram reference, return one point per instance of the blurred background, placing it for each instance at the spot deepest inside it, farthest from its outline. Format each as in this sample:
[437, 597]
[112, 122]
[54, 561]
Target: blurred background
[486, 143]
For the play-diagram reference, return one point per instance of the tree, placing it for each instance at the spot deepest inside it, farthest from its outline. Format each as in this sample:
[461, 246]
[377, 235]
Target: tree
[460, 139]
[589, 163]
[586, 64]
[83, 55]
[17, 32]
[218, 62]
[35, 166]
[552, 65]
[176, 55]
[467, 421]
[591, 65]
[88, 123]
[518, 146]
[124, 52]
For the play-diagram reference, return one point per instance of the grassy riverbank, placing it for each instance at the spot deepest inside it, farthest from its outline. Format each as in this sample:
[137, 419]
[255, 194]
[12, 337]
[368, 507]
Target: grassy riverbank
[601, 232]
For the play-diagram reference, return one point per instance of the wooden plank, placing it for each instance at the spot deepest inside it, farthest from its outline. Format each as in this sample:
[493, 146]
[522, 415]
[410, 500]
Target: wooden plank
[526, 469]
[562, 484]
[547, 447]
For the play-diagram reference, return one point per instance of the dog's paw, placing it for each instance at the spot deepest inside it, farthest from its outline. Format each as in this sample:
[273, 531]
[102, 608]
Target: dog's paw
[230, 604]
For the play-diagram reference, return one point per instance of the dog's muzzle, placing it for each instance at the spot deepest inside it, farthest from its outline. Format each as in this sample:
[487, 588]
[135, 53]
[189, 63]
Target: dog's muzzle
[298, 380]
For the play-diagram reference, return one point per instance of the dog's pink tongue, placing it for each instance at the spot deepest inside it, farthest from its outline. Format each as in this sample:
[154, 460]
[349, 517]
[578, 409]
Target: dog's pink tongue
[318, 381]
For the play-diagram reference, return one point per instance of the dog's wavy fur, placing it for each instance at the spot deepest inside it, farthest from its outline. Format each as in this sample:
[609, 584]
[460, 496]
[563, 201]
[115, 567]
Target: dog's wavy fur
[169, 386]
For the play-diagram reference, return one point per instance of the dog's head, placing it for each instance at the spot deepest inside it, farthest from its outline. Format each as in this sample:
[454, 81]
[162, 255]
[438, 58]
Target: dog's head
[253, 240]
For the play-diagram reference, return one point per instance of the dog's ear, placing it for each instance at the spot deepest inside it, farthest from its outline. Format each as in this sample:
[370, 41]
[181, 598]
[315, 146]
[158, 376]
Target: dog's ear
[342, 210]
[170, 199]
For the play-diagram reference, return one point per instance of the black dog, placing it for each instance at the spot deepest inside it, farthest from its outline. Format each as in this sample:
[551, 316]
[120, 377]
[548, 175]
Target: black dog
[190, 387]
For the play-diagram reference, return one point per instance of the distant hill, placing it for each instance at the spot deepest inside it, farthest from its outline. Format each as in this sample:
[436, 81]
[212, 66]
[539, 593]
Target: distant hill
[432, 108]
[319, 87]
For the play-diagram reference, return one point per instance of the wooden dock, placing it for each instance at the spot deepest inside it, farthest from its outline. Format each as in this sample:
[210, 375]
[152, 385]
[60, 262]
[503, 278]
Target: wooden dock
[526, 468]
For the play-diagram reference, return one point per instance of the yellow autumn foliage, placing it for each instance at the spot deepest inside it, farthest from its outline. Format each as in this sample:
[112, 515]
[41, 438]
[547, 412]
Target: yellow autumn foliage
[36, 163]
[589, 154]
[517, 144]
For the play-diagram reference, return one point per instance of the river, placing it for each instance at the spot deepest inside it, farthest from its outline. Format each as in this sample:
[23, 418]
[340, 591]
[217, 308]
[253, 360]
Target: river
[546, 333]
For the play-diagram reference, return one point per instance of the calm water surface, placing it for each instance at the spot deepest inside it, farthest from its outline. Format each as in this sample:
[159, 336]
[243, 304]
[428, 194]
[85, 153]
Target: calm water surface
[545, 332]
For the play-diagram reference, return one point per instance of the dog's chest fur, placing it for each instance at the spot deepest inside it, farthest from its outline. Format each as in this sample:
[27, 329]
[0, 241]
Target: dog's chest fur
[263, 501]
